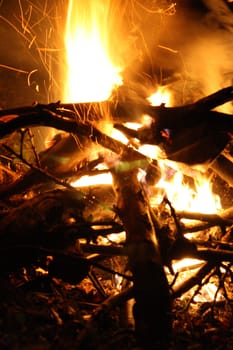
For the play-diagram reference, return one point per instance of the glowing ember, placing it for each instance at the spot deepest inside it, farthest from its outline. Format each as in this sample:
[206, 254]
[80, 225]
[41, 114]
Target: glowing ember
[91, 75]
[208, 293]
[104, 178]
[186, 264]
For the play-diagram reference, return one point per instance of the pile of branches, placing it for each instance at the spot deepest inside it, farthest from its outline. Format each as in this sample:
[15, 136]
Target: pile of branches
[43, 215]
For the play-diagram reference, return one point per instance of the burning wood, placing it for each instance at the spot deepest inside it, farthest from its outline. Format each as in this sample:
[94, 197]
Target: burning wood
[55, 223]
[61, 217]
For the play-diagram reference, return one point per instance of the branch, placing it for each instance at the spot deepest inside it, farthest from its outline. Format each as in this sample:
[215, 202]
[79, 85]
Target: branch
[152, 308]
[48, 118]
[225, 218]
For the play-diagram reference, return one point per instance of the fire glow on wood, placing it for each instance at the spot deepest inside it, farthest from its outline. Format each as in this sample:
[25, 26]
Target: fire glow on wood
[123, 179]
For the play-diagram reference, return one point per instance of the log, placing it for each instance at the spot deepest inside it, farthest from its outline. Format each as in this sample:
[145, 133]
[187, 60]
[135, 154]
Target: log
[223, 218]
[126, 108]
[191, 134]
[152, 309]
[42, 220]
[196, 137]
[59, 161]
[223, 167]
[182, 131]
[73, 154]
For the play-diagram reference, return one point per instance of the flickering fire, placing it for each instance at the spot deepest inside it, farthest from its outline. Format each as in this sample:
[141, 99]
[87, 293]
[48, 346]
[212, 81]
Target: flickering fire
[198, 198]
[160, 96]
[208, 293]
[91, 75]
[104, 178]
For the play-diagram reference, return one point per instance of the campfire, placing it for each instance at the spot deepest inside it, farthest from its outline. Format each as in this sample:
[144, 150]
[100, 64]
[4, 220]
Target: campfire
[117, 190]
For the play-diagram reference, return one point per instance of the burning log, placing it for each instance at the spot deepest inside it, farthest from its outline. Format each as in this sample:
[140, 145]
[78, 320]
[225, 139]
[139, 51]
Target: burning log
[45, 231]
[192, 134]
[194, 280]
[152, 308]
[124, 109]
[223, 219]
[183, 132]
[68, 147]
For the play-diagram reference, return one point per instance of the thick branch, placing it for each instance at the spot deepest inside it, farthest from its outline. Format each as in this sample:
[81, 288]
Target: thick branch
[49, 118]
[127, 109]
[223, 218]
[152, 308]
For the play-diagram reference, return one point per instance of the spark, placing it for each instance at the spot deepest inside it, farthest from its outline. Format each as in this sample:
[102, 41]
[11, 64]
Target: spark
[13, 69]
[29, 76]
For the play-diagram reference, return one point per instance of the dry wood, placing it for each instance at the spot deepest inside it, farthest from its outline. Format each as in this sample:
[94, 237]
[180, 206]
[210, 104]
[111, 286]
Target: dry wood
[182, 143]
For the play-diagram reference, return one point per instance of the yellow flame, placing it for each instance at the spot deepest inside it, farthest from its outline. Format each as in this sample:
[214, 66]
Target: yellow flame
[186, 264]
[104, 178]
[91, 75]
[160, 96]
[199, 198]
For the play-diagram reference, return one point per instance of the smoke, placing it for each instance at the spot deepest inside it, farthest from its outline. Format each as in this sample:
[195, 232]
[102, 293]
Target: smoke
[203, 39]
[208, 60]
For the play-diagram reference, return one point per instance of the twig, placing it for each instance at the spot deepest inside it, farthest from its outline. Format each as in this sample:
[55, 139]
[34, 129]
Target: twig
[39, 170]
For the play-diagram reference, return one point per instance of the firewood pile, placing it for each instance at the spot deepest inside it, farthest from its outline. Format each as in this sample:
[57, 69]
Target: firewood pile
[57, 239]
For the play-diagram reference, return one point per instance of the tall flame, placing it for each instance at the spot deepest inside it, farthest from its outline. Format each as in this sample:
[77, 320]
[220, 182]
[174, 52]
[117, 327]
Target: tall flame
[91, 75]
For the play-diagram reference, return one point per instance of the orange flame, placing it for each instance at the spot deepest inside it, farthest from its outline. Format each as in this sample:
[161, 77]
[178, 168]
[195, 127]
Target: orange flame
[91, 75]
[160, 96]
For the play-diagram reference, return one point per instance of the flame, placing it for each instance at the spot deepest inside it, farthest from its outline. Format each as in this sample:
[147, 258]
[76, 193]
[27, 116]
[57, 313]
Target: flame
[198, 198]
[91, 74]
[160, 96]
[104, 178]
[186, 264]
[208, 293]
